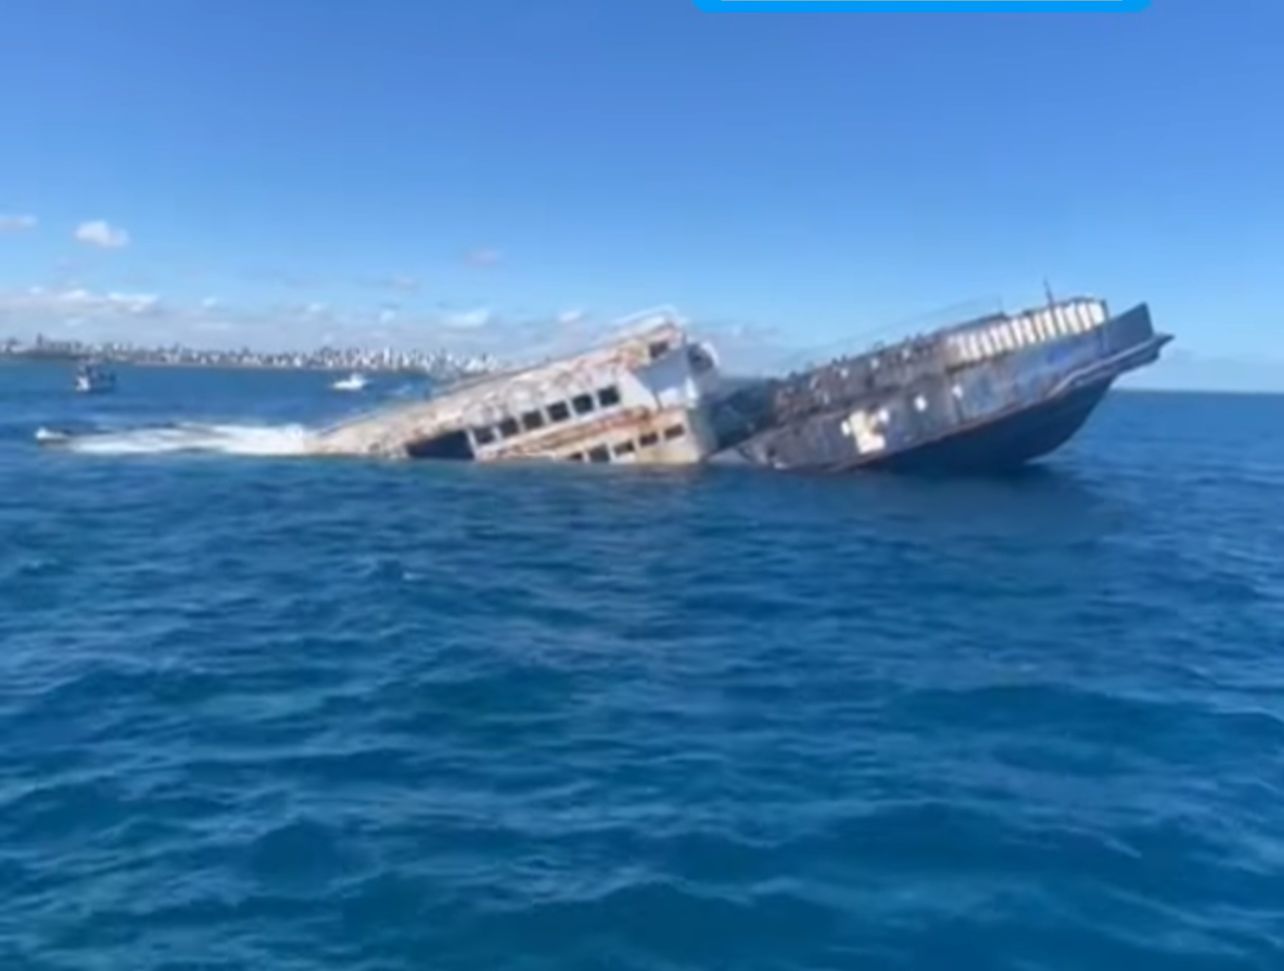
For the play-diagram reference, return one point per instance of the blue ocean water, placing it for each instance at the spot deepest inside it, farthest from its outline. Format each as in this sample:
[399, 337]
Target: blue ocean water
[263, 711]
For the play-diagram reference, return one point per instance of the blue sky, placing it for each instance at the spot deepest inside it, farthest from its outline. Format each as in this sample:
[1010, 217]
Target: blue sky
[418, 172]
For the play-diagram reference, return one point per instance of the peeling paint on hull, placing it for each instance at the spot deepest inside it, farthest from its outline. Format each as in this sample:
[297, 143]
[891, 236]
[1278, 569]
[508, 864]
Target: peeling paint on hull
[986, 396]
[1004, 444]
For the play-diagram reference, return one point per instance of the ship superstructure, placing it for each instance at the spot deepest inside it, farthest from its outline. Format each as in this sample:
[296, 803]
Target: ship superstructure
[641, 399]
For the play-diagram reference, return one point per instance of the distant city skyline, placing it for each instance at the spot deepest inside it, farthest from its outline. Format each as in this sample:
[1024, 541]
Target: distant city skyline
[438, 363]
[493, 177]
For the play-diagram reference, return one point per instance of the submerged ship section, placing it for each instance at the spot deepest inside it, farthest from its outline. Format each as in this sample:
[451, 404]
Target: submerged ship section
[987, 395]
[639, 400]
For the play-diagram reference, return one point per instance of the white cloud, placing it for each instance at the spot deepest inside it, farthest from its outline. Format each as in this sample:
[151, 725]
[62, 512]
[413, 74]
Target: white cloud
[88, 301]
[569, 318]
[122, 315]
[209, 303]
[403, 282]
[213, 327]
[144, 318]
[100, 233]
[17, 223]
[134, 303]
[274, 277]
[483, 256]
[392, 282]
[468, 319]
[38, 306]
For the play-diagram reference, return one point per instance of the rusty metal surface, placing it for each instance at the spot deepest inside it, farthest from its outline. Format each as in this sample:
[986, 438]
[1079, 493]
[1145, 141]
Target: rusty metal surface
[629, 425]
[396, 432]
[868, 409]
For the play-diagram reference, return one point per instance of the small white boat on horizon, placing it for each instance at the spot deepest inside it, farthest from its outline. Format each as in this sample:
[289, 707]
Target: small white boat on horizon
[353, 382]
[49, 436]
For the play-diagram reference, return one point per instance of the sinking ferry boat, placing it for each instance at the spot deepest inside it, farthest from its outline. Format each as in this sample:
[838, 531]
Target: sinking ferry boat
[639, 400]
[983, 396]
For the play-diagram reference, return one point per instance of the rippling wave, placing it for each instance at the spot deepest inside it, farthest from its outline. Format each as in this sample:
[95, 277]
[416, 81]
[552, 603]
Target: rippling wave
[323, 715]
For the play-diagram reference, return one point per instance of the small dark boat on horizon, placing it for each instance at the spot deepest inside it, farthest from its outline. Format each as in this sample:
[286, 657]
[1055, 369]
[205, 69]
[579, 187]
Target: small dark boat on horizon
[989, 395]
[94, 378]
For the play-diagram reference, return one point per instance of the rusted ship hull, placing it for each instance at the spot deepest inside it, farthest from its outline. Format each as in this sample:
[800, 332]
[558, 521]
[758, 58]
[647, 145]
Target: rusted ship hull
[637, 401]
[987, 396]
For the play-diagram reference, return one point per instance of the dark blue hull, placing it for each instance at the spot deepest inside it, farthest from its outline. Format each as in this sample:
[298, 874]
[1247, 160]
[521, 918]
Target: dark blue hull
[985, 397]
[1002, 444]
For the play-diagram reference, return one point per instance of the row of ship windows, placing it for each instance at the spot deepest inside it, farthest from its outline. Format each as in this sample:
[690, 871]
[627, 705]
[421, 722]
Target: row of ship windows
[1029, 329]
[651, 439]
[554, 414]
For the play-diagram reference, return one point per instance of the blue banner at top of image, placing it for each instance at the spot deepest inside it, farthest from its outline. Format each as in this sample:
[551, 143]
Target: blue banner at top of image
[922, 6]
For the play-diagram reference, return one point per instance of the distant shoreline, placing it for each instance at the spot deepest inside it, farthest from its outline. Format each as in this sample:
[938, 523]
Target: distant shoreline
[448, 374]
[72, 359]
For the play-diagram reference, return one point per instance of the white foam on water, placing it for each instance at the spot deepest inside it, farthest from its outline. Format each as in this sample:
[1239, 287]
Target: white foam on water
[263, 440]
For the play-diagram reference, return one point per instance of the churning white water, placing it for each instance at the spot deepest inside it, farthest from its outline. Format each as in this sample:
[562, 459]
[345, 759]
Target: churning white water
[265, 440]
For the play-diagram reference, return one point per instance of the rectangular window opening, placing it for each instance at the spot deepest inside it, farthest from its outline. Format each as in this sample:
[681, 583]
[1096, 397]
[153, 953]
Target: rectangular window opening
[560, 411]
[625, 448]
[483, 434]
[532, 420]
[508, 427]
[599, 454]
[649, 439]
[452, 445]
[609, 397]
[582, 403]
[674, 431]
